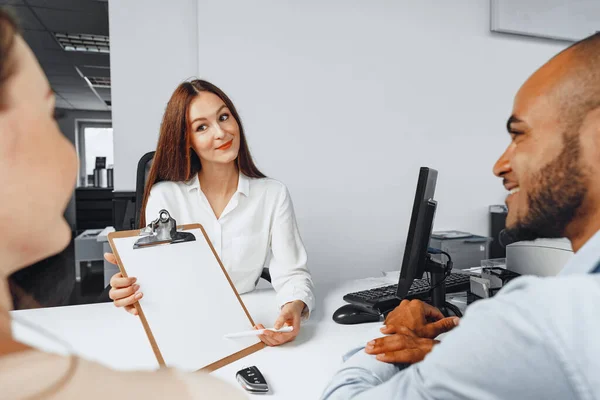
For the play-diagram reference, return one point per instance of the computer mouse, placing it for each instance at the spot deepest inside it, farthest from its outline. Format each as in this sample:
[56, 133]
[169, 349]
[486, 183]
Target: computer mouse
[350, 314]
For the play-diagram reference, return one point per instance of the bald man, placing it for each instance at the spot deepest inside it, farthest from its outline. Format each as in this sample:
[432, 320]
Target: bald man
[538, 338]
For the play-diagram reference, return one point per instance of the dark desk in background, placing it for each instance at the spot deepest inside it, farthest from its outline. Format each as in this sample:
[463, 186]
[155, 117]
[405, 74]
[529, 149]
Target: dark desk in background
[93, 208]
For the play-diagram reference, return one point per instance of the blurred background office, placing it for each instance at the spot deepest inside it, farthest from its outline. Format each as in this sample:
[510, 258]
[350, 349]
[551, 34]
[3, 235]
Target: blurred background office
[71, 41]
[341, 100]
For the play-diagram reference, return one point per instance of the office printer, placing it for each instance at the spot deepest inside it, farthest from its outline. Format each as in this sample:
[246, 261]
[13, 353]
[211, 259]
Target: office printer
[542, 257]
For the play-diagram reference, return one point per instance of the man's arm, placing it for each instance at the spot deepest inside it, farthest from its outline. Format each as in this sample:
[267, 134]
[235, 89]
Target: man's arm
[502, 349]
[360, 373]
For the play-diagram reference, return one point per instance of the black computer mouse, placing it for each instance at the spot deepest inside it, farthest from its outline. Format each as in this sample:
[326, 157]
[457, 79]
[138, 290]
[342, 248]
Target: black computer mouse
[350, 314]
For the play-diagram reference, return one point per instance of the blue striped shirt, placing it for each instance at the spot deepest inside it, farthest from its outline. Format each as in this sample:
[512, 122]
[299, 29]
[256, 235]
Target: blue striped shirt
[536, 339]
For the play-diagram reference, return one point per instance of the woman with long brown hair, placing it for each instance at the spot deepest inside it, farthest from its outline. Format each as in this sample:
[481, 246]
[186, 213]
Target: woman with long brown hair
[38, 167]
[203, 172]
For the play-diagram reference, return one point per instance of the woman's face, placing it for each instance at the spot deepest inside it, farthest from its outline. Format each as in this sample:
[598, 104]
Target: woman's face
[38, 165]
[215, 134]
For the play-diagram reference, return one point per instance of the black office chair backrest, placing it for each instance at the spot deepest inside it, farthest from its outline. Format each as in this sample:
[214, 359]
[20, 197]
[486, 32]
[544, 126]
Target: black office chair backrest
[143, 169]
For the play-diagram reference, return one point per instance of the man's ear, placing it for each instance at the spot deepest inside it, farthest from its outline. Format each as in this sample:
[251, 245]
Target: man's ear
[590, 126]
[589, 137]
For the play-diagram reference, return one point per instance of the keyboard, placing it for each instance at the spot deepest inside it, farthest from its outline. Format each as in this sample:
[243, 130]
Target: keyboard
[384, 298]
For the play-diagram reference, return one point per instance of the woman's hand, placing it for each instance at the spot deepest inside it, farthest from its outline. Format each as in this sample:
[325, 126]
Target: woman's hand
[290, 315]
[123, 292]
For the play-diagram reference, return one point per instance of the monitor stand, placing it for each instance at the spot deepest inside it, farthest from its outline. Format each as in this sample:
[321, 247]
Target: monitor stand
[438, 273]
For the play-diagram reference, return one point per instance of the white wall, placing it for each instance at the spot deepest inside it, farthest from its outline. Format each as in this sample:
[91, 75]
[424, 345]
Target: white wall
[345, 100]
[154, 46]
[67, 121]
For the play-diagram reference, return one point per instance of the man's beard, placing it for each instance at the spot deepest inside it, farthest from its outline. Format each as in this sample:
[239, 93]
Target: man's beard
[555, 199]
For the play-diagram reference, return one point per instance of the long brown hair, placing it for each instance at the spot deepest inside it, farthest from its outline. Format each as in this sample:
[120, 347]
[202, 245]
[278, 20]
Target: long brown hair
[8, 32]
[175, 160]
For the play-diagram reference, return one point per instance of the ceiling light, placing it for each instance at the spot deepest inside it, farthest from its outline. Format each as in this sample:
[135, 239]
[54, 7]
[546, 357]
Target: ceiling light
[99, 81]
[83, 42]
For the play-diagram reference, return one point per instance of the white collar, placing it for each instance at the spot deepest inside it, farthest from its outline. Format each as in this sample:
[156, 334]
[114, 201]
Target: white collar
[586, 259]
[243, 186]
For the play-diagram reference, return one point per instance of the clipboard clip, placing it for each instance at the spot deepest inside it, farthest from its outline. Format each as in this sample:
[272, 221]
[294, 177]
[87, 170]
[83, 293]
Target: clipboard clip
[162, 230]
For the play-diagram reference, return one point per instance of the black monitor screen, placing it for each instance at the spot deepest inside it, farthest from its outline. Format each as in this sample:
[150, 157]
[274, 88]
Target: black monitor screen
[419, 231]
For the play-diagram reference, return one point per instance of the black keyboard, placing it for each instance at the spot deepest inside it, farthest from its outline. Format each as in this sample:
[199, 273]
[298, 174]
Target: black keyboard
[384, 298]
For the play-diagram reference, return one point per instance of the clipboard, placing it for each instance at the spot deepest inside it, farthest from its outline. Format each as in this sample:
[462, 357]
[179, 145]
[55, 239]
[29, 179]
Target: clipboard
[189, 301]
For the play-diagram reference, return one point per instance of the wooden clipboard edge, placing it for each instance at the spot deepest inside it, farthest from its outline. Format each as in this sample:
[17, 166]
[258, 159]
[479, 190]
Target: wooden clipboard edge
[217, 364]
[142, 316]
[232, 358]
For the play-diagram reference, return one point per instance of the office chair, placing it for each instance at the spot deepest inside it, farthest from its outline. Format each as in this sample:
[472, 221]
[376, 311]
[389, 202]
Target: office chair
[143, 169]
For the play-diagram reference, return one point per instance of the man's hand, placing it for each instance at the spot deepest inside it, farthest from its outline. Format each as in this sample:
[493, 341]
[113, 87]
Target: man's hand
[402, 347]
[420, 318]
[290, 315]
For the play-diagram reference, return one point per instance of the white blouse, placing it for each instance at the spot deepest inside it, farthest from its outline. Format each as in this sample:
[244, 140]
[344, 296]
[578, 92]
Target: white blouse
[257, 229]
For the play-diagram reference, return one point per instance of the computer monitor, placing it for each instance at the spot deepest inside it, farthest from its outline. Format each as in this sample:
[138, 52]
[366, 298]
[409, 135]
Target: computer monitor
[419, 231]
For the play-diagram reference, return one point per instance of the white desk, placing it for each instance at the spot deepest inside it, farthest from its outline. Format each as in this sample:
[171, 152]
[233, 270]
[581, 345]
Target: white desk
[297, 370]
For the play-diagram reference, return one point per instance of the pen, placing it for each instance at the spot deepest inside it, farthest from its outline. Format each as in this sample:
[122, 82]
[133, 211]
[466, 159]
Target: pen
[255, 332]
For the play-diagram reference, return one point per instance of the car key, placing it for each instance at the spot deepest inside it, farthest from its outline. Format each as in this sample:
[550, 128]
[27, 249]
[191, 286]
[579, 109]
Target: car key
[252, 380]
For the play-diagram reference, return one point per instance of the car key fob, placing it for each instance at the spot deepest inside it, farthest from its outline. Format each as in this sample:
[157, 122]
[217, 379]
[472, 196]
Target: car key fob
[252, 380]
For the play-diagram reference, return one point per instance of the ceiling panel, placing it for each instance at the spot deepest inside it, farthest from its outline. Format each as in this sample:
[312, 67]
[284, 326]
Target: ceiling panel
[94, 71]
[95, 105]
[73, 21]
[65, 80]
[52, 56]
[61, 99]
[39, 20]
[79, 59]
[89, 105]
[83, 96]
[97, 108]
[70, 87]
[26, 18]
[58, 96]
[11, 2]
[103, 92]
[73, 5]
[61, 103]
[40, 40]
[54, 69]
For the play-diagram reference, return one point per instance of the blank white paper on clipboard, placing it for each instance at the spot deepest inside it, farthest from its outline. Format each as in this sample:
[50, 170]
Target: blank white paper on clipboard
[189, 303]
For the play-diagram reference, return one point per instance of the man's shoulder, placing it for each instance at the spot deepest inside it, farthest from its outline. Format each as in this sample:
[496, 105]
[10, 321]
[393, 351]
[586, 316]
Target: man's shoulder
[538, 300]
[555, 289]
[564, 310]
[556, 304]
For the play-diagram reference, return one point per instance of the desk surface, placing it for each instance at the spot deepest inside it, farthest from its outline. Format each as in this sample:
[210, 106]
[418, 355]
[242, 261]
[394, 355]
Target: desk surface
[110, 336]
